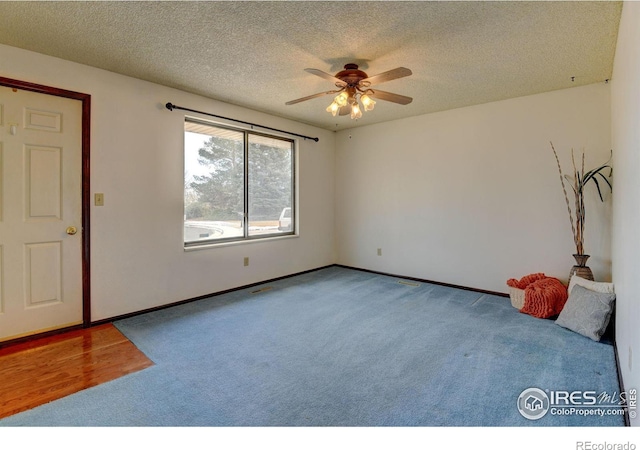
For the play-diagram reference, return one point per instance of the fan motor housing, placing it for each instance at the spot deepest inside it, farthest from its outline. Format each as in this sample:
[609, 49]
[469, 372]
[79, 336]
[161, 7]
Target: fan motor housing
[351, 74]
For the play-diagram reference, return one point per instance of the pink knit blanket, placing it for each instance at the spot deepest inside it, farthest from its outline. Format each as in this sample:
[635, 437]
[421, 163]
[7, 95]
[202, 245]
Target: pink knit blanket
[544, 296]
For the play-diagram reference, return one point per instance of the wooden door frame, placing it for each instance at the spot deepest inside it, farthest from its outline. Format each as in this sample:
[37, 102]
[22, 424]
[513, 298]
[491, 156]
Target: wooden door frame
[86, 202]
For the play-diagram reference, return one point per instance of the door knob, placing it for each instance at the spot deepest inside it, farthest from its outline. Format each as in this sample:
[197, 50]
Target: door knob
[72, 230]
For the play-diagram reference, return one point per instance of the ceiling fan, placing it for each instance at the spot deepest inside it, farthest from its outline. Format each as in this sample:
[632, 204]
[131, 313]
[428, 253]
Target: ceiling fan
[354, 86]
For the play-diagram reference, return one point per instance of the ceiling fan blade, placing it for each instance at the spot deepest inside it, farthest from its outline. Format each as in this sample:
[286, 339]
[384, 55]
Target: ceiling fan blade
[389, 97]
[326, 76]
[320, 94]
[388, 76]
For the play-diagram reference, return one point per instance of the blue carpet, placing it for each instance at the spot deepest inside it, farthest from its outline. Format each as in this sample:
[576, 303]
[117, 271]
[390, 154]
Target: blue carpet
[340, 347]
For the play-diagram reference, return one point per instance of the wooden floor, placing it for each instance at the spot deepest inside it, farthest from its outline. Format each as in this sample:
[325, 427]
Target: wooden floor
[39, 371]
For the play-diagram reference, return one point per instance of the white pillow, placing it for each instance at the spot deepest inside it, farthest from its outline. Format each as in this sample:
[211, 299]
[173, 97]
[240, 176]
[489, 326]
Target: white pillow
[603, 288]
[587, 312]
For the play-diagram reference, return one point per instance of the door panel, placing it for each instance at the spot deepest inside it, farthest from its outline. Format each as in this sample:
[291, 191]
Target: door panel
[43, 182]
[42, 274]
[42, 120]
[40, 188]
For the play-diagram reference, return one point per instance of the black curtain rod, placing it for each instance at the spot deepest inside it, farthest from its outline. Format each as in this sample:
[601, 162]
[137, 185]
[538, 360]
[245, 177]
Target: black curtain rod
[170, 106]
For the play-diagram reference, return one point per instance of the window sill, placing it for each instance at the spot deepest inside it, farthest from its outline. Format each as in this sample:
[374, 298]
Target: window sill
[210, 245]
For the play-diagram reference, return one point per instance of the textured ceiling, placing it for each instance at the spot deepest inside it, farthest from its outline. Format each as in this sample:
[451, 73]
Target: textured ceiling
[254, 54]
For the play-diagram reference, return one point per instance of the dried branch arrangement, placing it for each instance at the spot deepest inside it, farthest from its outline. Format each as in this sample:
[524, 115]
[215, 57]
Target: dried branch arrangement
[578, 182]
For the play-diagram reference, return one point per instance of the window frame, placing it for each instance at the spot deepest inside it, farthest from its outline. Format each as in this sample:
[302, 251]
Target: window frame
[246, 237]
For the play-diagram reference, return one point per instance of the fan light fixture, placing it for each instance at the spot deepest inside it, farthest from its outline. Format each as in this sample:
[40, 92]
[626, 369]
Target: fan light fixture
[353, 101]
[354, 89]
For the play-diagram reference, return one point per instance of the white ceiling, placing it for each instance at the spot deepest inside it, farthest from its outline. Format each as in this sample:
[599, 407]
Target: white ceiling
[254, 54]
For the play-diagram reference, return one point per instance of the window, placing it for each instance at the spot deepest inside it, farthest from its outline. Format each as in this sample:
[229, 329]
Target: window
[238, 184]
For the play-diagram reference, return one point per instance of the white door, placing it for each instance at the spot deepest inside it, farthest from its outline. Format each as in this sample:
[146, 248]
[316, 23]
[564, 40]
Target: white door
[40, 203]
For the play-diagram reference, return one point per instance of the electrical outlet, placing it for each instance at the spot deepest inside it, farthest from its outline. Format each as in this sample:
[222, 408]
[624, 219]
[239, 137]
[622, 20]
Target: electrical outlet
[99, 199]
[246, 261]
[630, 358]
[379, 252]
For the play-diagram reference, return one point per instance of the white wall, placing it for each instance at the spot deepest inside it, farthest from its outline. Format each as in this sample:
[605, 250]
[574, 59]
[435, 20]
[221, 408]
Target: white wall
[625, 112]
[137, 256]
[472, 196]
